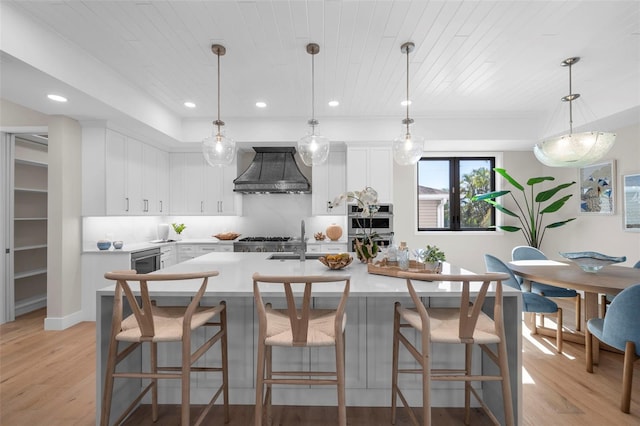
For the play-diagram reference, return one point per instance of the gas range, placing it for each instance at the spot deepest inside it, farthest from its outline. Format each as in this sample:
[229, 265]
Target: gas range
[265, 244]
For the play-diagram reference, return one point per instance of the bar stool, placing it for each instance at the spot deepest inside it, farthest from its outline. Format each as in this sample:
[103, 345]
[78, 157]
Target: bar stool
[466, 325]
[153, 325]
[299, 326]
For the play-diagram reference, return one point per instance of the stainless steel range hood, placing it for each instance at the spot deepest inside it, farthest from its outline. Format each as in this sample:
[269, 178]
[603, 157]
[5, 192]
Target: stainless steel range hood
[273, 170]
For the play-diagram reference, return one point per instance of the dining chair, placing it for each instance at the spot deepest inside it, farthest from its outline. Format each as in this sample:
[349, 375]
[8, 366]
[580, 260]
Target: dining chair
[153, 325]
[533, 303]
[605, 299]
[298, 325]
[532, 253]
[621, 330]
[465, 325]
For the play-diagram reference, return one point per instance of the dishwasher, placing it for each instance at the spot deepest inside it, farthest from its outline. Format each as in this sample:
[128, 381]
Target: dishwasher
[145, 261]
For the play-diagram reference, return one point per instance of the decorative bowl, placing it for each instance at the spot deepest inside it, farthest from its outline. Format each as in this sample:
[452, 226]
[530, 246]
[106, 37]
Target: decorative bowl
[117, 245]
[591, 261]
[336, 261]
[104, 244]
[226, 236]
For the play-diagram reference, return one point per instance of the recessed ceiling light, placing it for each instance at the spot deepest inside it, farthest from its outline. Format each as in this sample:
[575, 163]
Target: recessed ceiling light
[261, 104]
[405, 103]
[334, 103]
[189, 104]
[57, 98]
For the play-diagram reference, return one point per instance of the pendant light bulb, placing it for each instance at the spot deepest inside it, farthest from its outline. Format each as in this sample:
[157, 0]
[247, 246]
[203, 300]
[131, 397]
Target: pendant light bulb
[407, 149]
[313, 147]
[218, 149]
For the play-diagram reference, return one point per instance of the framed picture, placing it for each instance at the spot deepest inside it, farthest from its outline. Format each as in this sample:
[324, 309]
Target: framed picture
[631, 202]
[597, 188]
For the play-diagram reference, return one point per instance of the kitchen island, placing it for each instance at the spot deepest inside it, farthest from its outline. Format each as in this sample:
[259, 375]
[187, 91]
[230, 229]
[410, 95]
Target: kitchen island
[368, 335]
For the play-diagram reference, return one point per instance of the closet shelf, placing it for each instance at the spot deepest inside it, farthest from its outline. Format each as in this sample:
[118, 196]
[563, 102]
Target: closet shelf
[30, 273]
[29, 218]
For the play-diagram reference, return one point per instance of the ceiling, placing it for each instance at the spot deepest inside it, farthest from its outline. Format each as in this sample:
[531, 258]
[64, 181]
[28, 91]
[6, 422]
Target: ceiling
[113, 59]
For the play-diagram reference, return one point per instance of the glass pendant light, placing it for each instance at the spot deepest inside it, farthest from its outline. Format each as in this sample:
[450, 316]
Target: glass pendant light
[313, 147]
[573, 150]
[218, 149]
[407, 149]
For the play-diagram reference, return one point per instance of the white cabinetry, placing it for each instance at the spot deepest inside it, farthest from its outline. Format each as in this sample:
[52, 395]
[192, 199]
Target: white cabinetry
[122, 175]
[188, 251]
[200, 189]
[371, 166]
[327, 247]
[329, 181]
[167, 255]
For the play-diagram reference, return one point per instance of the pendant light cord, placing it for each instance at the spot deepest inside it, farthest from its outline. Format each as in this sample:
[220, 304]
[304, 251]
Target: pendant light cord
[407, 100]
[218, 121]
[313, 92]
[570, 102]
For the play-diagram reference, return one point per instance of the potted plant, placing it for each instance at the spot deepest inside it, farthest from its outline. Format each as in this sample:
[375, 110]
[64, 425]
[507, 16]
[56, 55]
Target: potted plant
[530, 206]
[178, 227]
[431, 257]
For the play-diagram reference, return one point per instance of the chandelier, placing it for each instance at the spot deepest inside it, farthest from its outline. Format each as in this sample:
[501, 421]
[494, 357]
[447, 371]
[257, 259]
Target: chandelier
[313, 147]
[407, 149]
[573, 149]
[218, 149]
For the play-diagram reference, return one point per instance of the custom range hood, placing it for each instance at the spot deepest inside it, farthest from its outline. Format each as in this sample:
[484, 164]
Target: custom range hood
[272, 171]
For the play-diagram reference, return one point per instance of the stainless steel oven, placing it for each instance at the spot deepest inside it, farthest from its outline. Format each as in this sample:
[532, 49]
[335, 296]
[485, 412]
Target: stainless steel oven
[145, 261]
[381, 222]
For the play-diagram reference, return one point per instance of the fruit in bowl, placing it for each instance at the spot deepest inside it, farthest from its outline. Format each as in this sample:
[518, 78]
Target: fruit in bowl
[336, 261]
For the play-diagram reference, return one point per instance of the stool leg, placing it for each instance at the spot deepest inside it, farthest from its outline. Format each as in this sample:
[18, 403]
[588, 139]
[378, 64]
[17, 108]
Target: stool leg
[342, 409]
[259, 383]
[627, 376]
[578, 312]
[225, 362]
[468, 350]
[186, 384]
[394, 368]
[506, 382]
[154, 381]
[108, 383]
[269, 354]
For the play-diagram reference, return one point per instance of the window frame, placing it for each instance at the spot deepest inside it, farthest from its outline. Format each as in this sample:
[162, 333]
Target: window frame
[497, 160]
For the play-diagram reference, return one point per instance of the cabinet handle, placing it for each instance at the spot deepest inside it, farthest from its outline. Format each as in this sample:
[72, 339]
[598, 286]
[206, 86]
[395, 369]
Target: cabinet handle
[201, 206]
[219, 206]
[329, 206]
[127, 208]
[146, 205]
[160, 206]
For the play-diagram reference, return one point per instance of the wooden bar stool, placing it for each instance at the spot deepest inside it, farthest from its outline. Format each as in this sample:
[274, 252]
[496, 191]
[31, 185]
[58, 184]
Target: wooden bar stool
[154, 324]
[299, 326]
[466, 325]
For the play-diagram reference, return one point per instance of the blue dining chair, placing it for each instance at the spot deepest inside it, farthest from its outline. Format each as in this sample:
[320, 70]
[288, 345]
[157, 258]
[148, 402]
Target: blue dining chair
[621, 330]
[531, 253]
[605, 299]
[532, 302]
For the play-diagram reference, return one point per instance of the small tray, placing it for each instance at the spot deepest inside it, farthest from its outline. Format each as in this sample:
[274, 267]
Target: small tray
[391, 269]
[227, 236]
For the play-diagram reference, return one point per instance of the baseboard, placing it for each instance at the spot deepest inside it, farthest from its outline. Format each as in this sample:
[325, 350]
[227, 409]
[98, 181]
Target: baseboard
[61, 323]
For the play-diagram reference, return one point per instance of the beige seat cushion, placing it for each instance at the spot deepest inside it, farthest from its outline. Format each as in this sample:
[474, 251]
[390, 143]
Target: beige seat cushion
[321, 328]
[167, 323]
[445, 325]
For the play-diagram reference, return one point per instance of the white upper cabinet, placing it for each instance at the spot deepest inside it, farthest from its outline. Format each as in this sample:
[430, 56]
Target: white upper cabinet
[121, 175]
[329, 181]
[163, 167]
[200, 189]
[371, 166]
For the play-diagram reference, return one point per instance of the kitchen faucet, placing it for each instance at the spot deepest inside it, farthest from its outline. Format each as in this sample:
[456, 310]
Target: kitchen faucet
[303, 243]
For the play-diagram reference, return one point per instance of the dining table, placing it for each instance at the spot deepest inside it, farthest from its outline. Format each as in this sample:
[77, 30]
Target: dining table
[611, 280]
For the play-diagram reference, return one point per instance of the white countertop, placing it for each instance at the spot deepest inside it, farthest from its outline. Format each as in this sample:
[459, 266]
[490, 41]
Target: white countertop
[236, 270]
[130, 248]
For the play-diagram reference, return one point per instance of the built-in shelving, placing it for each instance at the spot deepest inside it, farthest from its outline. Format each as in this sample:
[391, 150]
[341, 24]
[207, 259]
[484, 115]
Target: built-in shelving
[30, 186]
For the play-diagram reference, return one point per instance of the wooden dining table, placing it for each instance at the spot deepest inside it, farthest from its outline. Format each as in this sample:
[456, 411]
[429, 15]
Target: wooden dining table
[611, 279]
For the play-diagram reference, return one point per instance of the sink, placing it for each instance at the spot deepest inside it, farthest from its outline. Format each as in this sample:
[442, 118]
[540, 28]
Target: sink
[294, 256]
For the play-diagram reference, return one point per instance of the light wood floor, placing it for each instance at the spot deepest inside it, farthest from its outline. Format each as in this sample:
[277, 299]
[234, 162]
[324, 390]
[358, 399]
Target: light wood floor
[47, 377]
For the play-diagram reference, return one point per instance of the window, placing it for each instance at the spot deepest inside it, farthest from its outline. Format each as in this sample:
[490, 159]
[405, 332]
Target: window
[445, 188]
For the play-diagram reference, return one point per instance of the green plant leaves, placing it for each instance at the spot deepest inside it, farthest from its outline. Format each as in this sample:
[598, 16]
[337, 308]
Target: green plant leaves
[512, 181]
[546, 195]
[556, 205]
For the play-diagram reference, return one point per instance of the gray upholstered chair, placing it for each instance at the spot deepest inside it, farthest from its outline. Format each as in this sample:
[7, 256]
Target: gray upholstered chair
[621, 330]
[532, 302]
[532, 253]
